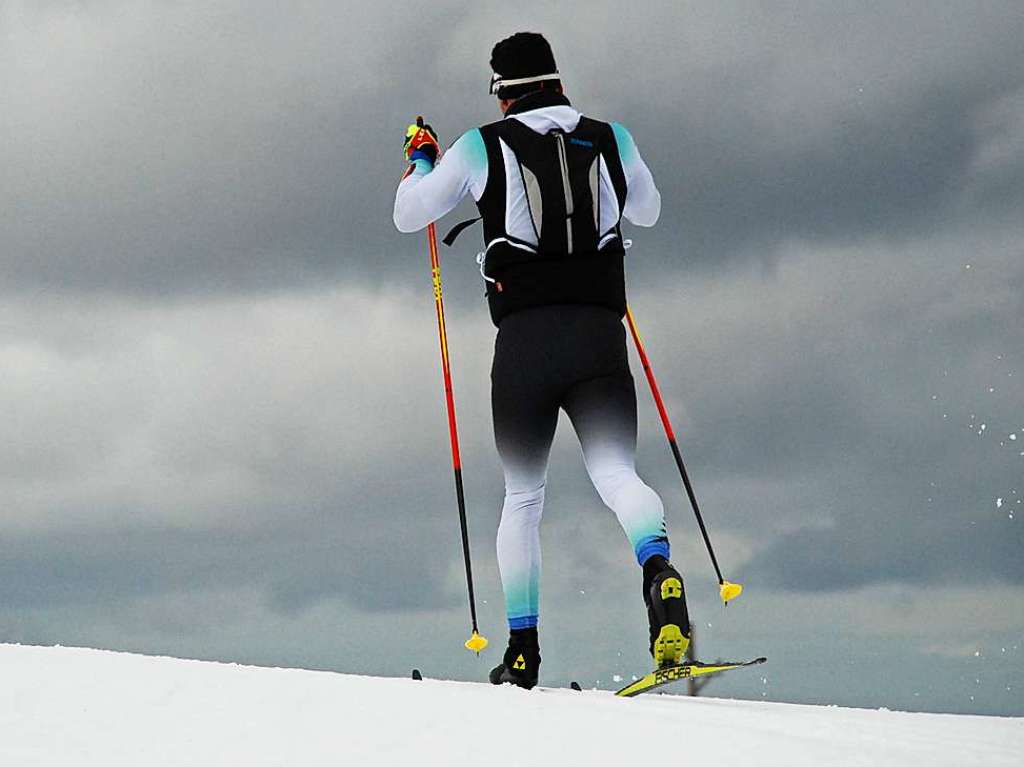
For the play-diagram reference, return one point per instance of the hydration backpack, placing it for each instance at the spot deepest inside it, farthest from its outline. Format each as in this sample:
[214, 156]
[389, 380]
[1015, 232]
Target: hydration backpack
[551, 213]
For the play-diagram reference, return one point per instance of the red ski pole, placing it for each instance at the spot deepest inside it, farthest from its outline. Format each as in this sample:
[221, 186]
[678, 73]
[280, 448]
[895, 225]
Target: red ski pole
[726, 589]
[476, 642]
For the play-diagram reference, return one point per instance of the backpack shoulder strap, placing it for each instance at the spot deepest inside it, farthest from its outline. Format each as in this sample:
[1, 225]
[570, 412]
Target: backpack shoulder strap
[492, 202]
[493, 198]
[459, 228]
[609, 149]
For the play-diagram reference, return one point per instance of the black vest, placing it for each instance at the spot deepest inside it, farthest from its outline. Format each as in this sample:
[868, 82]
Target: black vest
[560, 173]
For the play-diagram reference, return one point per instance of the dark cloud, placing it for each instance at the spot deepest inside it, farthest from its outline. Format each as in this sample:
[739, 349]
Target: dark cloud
[862, 552]
[186, 448]
[858, 411]
[180, 149]
[293, 567]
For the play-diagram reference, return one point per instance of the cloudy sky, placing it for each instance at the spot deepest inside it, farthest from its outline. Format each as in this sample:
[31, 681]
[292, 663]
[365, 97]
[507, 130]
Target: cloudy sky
[224, 433]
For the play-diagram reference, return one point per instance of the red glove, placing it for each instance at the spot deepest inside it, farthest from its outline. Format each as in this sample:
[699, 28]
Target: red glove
[421, 143]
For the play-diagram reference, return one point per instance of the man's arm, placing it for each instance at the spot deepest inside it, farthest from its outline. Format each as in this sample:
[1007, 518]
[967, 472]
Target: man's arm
[426, 193]
[643, 200]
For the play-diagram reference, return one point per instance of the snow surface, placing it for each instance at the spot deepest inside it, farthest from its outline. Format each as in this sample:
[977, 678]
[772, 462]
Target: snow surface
[66, 706]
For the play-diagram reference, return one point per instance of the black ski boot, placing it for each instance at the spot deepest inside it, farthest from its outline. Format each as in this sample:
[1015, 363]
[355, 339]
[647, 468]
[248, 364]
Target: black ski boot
[521, 663]
[666, 612]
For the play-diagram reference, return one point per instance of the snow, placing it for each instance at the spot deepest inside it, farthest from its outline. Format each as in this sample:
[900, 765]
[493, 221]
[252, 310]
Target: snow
[61, 706]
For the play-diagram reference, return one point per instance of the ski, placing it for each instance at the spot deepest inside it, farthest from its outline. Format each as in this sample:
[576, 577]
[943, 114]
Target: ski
[573, 685]
[669, 674]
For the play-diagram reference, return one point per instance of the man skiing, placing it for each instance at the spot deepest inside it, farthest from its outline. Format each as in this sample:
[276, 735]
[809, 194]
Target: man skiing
[552, 186]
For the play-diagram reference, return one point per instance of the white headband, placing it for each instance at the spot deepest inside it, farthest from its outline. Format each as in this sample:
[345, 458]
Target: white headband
[498, 82]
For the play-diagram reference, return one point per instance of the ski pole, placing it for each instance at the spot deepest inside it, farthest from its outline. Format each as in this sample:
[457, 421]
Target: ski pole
[726, 590]
[476, 642]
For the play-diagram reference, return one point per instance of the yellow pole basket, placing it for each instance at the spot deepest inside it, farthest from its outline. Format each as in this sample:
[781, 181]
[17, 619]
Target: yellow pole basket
[730, 591]
[476, 643]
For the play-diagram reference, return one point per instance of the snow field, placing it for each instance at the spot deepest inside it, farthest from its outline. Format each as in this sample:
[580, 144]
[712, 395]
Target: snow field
[67, 706]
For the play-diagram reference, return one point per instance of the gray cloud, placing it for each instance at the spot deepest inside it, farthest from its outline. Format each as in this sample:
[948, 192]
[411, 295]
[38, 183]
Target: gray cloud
[294, 567]
[160, 149]
[270, 444]
[859, 554]
[859, 409]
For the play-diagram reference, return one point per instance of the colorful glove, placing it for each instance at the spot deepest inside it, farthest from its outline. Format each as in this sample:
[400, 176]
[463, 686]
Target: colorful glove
[421, 143]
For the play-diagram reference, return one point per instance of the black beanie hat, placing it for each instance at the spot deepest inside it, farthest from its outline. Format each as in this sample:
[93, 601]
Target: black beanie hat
[525, 54]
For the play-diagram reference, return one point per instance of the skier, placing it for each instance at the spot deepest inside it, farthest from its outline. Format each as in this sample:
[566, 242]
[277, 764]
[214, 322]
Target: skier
[551, 187]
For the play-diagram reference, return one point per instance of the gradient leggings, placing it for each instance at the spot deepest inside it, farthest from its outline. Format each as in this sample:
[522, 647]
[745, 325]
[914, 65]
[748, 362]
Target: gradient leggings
[571, 358]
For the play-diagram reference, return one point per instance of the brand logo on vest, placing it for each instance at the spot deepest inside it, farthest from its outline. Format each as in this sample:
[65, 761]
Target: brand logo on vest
[580, 142]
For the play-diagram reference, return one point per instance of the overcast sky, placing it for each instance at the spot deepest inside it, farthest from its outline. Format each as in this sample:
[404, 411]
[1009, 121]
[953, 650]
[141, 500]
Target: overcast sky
[224, 433]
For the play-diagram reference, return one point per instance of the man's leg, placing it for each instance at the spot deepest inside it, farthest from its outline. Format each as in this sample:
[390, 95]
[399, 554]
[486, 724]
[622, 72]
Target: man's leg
[603, 413]
[518, 544]
[525, 417]
[523, 436]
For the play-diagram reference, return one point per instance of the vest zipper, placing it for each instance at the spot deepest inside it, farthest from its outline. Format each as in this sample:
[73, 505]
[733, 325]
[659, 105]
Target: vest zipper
[560, 137]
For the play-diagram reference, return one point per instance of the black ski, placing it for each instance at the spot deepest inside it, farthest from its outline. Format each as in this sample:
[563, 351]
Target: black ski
[574, 685]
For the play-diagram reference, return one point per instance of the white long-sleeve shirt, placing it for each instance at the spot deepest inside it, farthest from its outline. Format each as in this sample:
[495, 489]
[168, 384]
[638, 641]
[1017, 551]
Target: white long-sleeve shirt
[427, 194]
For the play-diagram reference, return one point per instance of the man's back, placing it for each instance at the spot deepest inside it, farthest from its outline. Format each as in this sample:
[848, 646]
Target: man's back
[547, 197]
